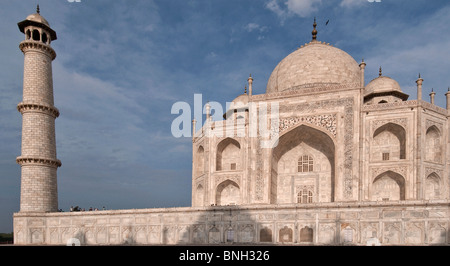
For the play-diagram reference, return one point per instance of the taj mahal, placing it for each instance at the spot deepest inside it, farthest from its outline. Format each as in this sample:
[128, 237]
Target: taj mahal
[344, 161]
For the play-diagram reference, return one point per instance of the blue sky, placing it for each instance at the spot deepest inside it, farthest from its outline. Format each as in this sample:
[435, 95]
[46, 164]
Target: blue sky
[122, 64]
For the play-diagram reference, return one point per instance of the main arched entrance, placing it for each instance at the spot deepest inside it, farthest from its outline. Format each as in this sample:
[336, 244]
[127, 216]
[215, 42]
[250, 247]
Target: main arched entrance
[303, 167]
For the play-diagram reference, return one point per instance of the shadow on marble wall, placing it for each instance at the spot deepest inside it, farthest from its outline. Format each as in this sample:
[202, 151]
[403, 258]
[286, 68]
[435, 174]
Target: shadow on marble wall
[228, 225]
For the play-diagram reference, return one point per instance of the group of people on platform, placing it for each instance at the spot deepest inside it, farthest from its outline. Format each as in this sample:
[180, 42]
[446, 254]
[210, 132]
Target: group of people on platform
[78, 209]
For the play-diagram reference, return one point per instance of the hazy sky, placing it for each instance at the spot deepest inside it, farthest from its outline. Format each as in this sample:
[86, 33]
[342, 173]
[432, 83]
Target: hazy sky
[122, 64]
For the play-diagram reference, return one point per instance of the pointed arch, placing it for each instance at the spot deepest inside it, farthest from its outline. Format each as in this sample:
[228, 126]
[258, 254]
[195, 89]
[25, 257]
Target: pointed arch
[228, 155]
[303, 140]
[388, 186]
[433, 147]
[228, 193]
[36, 35]
[199, 195]
[389, 142]
[200, 161]
[433, 186]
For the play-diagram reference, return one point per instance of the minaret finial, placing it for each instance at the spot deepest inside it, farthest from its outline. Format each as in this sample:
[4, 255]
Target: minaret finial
[38, 10]
[380, 74]
[314, 32]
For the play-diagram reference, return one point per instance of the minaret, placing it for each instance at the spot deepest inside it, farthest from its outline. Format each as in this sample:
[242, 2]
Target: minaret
[38, 161]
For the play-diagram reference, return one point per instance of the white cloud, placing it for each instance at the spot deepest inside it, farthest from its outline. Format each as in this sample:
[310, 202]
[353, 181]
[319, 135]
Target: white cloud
[351, 3]
[255, 27]
[273, 6]
[302, 8]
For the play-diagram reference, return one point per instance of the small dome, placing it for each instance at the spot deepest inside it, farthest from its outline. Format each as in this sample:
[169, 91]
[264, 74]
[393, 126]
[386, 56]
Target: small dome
[240, 101]
[382, 84]
[36, 17]
[314, 63]
[37, 20]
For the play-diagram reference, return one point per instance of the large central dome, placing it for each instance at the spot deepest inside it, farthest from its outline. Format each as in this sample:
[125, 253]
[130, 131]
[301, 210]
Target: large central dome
[315, 63]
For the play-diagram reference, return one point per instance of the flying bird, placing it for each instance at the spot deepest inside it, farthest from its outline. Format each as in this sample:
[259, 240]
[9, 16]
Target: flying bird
[327, 22]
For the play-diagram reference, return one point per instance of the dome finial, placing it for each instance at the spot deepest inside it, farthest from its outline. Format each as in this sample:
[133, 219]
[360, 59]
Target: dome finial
[314, 32]
[380, 74]
[38, 10]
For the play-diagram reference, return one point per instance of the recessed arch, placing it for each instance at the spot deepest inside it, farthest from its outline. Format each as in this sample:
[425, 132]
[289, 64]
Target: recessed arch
[433, 147]
[388, 186]
[200, 161]
[228, 193]
[199, 195]
[299, 141]
[389, 139]
[228, 155]
[433, 186]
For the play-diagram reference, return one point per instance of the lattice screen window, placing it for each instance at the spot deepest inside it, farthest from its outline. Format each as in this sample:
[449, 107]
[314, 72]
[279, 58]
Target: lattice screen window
[305, 196]
[305, 164]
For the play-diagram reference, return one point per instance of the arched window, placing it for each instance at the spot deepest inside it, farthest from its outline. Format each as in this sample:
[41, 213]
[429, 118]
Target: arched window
[305, 196]
[305, 164]
[44, 37]
[36, 35]
[28, 34]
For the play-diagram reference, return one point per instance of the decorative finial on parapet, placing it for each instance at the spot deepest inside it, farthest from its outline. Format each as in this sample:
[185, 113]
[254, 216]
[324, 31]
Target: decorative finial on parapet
[432, 95]
[447, 94]
[250, 82]
[314, 32]
[419, 82]
[38, 10]
[363, 64]
[380, 72]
